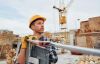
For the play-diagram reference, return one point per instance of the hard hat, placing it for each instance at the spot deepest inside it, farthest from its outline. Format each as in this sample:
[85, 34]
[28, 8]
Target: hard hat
[35, 18]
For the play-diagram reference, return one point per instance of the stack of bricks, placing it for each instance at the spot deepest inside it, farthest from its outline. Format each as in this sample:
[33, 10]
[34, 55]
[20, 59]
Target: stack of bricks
[85, 59]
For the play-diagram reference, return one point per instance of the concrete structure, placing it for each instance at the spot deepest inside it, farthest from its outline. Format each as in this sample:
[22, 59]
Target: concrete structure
[84, 27]
[72, 37]
[8, 40]
[91, 25]
[94, 24]
[89, 33]
[61, 35]
[7, 37]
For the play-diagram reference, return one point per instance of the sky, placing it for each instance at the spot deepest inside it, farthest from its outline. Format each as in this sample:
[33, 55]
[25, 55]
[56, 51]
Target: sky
[15, 14]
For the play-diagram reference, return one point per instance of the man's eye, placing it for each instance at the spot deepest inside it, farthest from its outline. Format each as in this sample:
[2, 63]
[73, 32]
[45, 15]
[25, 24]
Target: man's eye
[39, 23]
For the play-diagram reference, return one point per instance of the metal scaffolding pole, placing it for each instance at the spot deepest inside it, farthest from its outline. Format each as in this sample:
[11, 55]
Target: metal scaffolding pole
[83, 50]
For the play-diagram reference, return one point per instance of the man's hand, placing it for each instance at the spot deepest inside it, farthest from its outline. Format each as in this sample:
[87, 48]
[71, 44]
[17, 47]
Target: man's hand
[24, 40]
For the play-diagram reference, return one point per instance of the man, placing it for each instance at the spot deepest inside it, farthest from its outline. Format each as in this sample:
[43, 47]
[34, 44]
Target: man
[37, 26]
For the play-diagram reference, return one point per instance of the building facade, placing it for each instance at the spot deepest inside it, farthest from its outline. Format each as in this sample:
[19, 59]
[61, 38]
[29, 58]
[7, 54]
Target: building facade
[61, 36]
[7, 37]
[89, 33]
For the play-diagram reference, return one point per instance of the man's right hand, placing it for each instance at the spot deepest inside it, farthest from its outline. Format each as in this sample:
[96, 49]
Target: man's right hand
[24, 40]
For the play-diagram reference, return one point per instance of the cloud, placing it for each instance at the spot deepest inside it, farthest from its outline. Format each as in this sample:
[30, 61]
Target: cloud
[15, 14]
[13, 25]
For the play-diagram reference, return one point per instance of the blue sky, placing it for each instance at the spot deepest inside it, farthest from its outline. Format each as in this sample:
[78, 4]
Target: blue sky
[15, 14]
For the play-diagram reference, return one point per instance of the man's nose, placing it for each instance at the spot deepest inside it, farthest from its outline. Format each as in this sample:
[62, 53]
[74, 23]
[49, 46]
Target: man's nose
[42, 25]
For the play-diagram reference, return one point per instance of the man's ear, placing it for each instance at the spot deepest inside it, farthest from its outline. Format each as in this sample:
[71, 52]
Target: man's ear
[32, 27]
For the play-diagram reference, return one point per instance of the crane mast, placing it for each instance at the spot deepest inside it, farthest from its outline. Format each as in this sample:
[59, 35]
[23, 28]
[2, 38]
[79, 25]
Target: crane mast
[62, 9]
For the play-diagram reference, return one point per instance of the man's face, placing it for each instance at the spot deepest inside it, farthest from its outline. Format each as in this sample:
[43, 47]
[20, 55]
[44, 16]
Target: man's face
[38, 26]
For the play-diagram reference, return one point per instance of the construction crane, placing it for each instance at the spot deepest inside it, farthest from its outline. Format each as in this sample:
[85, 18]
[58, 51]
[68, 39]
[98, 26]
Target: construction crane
[63, 8]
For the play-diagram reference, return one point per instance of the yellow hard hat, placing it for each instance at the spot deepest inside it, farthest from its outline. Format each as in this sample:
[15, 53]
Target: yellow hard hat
[35, 18]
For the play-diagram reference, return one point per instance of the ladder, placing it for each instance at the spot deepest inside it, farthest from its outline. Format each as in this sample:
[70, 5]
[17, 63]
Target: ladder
[34, 54]
[38, 54]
